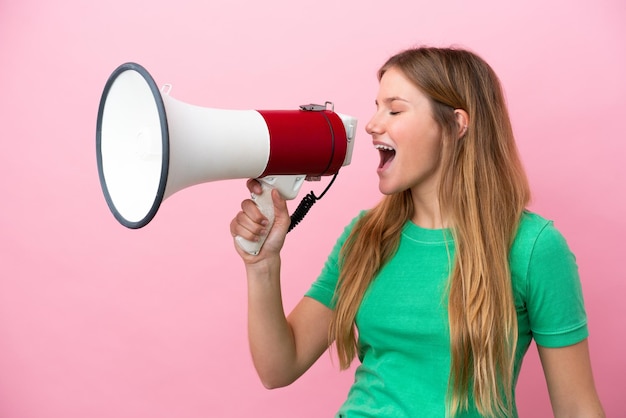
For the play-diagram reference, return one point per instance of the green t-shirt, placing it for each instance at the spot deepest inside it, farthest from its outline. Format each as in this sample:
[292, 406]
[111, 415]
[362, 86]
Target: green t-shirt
[403, 321]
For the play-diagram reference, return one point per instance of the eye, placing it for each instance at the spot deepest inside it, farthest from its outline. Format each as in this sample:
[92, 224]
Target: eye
[392, 113]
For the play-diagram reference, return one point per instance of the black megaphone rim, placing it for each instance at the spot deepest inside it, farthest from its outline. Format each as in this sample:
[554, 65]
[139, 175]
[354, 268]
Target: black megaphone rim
[158, 99]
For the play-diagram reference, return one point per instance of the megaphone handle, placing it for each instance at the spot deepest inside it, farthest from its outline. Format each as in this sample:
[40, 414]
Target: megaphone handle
[266, 206]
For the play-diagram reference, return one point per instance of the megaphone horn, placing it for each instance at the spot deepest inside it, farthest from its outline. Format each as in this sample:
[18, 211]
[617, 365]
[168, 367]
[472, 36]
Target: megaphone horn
[150, 145]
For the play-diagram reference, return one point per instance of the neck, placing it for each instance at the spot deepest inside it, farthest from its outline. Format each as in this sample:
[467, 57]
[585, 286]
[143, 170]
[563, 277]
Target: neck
[426, 210]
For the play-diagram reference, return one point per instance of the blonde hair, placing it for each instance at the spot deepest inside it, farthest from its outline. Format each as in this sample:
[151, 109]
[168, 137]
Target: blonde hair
[483, 192]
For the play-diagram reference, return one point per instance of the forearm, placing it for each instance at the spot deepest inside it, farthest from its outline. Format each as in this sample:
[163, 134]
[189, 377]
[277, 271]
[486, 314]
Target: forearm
[271, 340]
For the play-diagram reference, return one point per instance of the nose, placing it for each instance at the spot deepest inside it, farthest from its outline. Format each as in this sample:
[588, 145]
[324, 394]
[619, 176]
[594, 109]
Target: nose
[373, 127]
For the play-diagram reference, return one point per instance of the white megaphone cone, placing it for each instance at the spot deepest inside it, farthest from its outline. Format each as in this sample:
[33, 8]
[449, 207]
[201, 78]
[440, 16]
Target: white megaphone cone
[150, 145]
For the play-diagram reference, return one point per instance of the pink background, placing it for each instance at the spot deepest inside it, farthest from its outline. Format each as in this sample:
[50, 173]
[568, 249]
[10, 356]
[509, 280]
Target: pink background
[100, 321]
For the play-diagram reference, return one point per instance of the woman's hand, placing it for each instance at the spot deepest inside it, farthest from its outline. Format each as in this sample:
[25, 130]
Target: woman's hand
[250, 224]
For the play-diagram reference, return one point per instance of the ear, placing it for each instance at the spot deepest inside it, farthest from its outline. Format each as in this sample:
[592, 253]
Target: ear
[462, 120]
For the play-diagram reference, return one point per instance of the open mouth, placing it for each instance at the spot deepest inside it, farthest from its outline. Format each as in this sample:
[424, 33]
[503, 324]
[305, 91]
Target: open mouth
[386, 155]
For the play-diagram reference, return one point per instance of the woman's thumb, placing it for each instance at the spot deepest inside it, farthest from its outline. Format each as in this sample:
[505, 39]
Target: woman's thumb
[281, 213]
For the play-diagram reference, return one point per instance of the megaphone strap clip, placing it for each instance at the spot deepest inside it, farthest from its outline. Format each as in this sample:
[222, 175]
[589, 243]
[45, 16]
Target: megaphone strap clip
[166, 89]
[318, 108]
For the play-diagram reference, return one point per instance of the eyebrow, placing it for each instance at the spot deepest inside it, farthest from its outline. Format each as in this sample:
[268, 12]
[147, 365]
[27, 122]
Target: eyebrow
[389, 100]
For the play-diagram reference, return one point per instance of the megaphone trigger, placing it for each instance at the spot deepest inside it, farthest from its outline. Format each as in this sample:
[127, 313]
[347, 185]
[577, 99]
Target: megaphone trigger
[288, 186]
[266, 206]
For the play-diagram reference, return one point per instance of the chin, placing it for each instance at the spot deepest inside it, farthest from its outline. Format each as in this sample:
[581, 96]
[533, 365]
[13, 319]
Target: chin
[389, 190]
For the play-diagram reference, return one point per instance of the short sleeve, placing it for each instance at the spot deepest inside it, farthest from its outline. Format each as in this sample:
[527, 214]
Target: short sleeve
[323, 289]
[555, 302]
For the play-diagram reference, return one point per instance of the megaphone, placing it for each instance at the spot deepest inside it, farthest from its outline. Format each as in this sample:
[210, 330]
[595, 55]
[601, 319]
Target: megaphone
[150, 146]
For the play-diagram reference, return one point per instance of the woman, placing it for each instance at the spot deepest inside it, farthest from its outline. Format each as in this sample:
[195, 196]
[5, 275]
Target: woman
[438, 289]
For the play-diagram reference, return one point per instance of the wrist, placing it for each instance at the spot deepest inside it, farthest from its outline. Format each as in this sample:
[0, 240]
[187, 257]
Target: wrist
[268, 266]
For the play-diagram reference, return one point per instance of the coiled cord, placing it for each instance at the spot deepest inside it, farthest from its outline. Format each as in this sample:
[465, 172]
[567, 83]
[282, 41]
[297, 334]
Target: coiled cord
[305, 205]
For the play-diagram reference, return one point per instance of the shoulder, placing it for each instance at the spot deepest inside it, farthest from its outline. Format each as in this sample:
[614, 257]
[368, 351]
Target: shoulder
[531, 225]
[537, 236]
[348, 230]
[540, 257]
[323, 289]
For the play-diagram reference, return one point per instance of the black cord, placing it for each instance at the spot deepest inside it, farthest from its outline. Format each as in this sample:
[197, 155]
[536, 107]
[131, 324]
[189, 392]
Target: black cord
[306, 204]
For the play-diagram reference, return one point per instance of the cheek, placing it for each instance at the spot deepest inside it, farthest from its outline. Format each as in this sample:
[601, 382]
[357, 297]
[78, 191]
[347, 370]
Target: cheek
[422, 139]
[432, 139]
[405, 134]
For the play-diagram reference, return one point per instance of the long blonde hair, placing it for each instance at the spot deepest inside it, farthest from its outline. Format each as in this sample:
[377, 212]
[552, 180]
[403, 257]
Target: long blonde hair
[482, 193]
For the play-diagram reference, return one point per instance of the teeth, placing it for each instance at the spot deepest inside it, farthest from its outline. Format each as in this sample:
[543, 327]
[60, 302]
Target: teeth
[383, 147]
